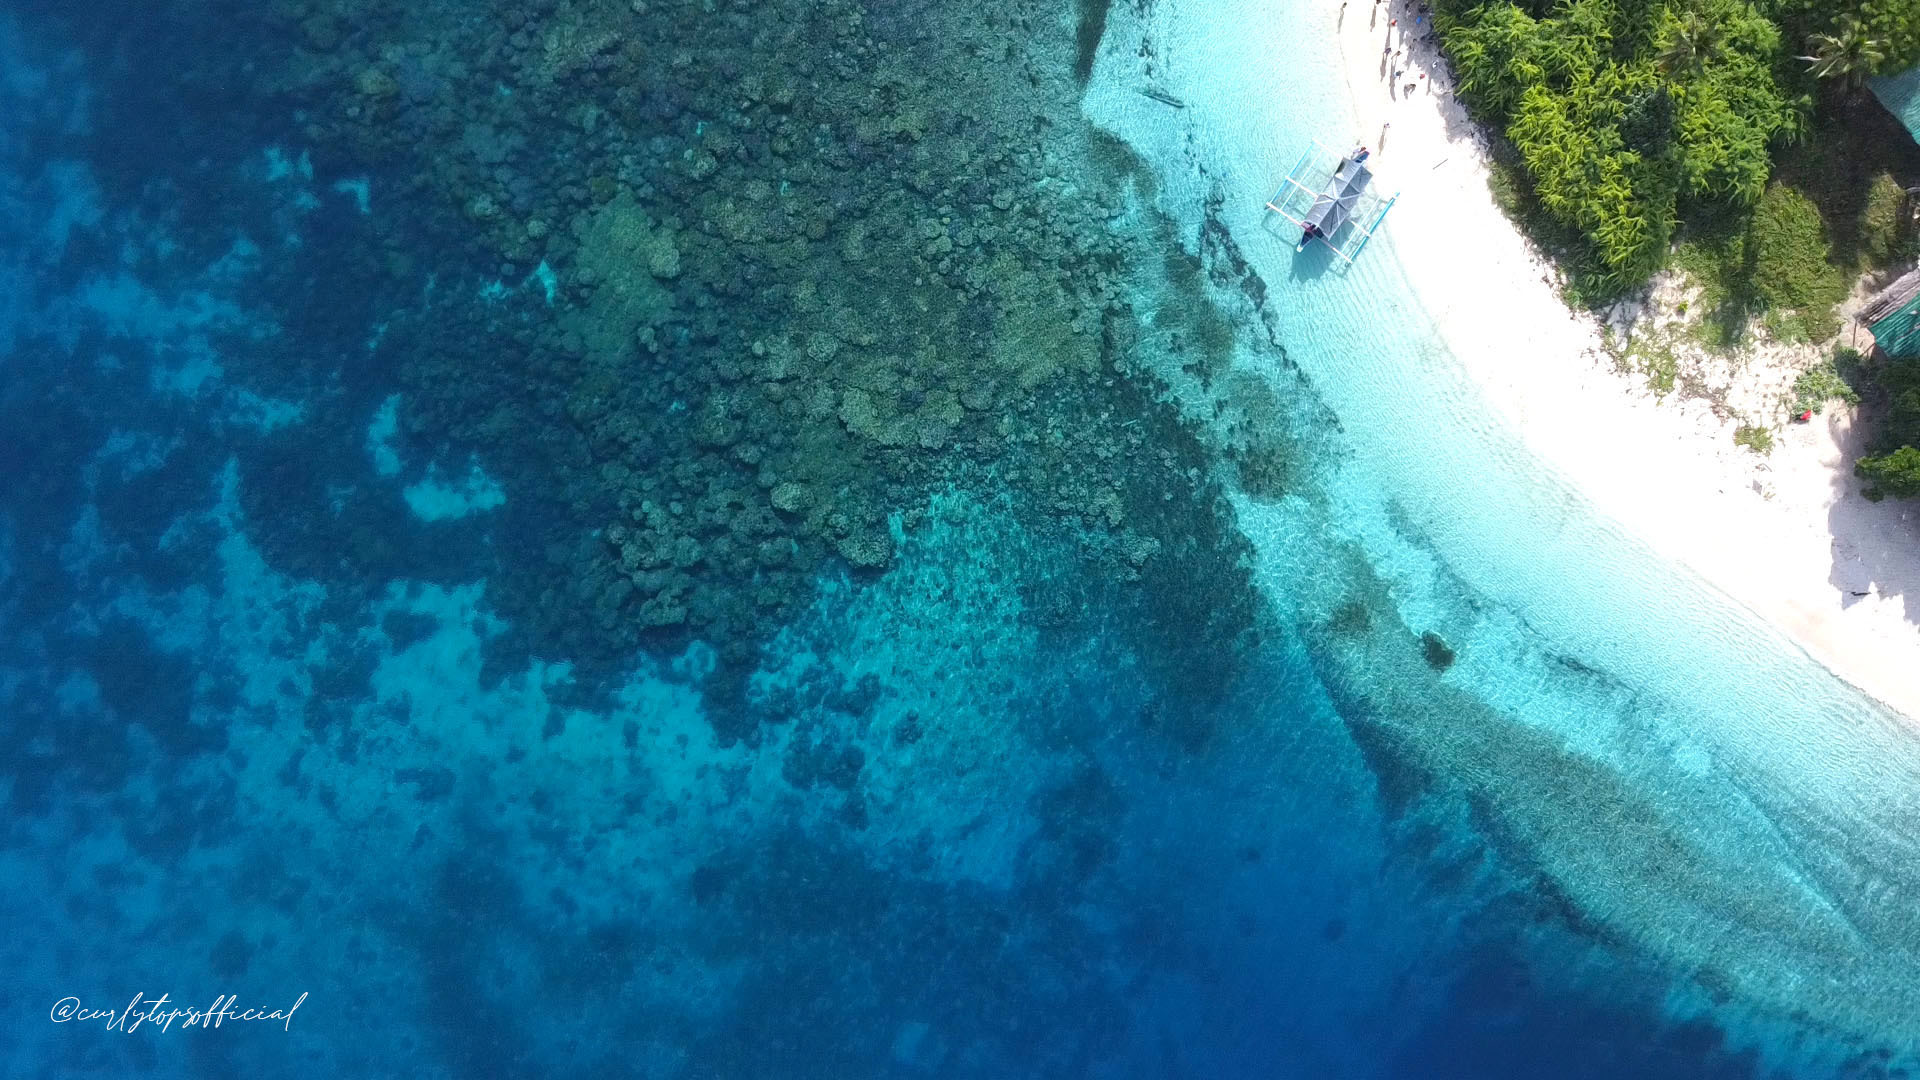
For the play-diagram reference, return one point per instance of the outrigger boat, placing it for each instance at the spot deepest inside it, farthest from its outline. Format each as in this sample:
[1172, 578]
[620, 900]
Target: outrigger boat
[1332, 205]
[1335, 204]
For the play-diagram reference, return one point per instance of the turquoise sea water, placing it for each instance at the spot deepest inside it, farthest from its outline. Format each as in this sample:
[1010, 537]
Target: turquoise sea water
[1733, 740]
[303, 693]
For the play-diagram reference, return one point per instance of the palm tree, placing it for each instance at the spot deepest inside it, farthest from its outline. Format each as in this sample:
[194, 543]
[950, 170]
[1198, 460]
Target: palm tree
[1849, 55]
[1695, 40]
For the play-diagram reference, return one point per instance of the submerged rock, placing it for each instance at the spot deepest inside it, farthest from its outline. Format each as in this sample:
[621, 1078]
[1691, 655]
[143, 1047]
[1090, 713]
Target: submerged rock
[789, 497]
[375, 84]
[867, 549]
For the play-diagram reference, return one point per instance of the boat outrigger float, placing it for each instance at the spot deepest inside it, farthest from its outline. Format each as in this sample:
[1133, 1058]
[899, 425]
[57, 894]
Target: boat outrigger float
[1327, 196]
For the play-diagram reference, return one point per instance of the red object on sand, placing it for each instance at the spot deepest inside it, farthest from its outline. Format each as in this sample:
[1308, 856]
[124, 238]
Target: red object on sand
[1806, 416]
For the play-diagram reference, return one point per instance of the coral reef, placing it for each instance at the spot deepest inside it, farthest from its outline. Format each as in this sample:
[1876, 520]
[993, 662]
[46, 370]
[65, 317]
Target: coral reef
[767, 284]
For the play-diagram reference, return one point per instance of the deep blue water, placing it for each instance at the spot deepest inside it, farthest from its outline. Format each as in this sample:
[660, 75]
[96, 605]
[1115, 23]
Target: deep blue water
[407, 613]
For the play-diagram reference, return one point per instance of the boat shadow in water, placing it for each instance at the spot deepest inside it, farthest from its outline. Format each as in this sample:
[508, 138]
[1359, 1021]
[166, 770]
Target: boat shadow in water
[1309, 263]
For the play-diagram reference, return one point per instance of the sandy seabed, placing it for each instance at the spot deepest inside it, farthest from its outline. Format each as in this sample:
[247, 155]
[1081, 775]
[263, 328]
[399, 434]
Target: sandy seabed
[1788, 535]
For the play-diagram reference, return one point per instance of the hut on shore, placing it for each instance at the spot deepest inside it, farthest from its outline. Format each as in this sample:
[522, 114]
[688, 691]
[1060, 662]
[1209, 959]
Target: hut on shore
[1900, 93]
[1893, 315]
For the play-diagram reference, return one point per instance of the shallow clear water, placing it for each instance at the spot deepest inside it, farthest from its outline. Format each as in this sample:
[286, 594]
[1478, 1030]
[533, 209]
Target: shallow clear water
[298, 701]
[1727, 733]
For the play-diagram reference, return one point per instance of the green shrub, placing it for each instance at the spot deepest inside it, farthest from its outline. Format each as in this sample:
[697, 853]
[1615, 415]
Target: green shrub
[1714, 256]
[1505, 187]
[1656, 360]
[1896, 474]
[1754, 437]
[1896, 469]
[1883, 228]
[1850, 364]
[1818, 385]
[1771, 262]
[1792, 278]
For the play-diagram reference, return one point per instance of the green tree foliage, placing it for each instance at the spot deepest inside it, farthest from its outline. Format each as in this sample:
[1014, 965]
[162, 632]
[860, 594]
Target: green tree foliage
[1497, 55]
[1646, 124]
[1589, 178]
[1843, 25]
[1733, 109]
[1896, 474]
[1848, 55]
[1690, 43]
[1622, 109]
[1897, 24]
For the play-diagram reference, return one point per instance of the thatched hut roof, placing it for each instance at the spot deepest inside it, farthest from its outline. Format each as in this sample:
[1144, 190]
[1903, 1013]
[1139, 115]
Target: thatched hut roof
[1894, 316]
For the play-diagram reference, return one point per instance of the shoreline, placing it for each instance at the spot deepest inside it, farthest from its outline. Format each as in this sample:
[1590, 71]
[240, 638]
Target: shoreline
[1786, 536]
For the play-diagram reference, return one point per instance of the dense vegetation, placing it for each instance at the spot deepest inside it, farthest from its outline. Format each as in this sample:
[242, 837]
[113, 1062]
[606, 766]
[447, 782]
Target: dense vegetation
[1773, 259]
[1729, 136]
[1632, 119]
[1897, 471]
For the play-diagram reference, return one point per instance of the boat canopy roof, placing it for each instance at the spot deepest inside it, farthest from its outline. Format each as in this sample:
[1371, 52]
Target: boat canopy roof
[1333, 206]
[1334, 194]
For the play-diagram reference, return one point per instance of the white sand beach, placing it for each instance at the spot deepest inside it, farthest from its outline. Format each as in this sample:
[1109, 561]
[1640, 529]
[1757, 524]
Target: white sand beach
[1787, 535]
